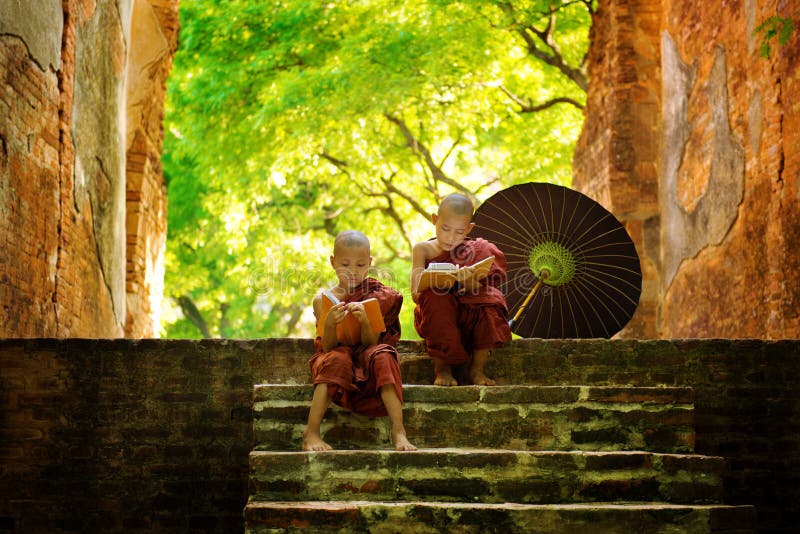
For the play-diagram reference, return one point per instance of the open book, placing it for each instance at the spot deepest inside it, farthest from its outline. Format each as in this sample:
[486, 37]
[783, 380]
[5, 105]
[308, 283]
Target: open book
[444, 275]
[348, 332]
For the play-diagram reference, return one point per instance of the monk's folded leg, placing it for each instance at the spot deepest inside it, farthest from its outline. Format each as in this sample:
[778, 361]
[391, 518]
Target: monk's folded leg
[383, 369]
[386, 370]
[485, 328]
[334, 368]
[436, 321]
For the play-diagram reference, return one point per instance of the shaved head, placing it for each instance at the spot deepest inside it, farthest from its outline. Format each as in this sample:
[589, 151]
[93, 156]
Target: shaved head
[350, 239]
[457, 204]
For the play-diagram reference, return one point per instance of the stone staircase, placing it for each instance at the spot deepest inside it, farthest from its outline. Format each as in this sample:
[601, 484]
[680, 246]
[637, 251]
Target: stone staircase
[516, 457]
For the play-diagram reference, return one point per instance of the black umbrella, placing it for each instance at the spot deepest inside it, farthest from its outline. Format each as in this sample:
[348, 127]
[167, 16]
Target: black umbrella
[573, 271]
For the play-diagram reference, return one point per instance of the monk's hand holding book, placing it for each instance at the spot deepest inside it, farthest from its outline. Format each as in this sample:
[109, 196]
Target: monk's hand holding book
[335, 314]
[442, 276]
[352, 320]
[358, 311]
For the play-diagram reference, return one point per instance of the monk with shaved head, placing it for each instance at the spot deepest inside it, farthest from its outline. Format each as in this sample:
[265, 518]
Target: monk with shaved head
[363, 378]
[462, 325]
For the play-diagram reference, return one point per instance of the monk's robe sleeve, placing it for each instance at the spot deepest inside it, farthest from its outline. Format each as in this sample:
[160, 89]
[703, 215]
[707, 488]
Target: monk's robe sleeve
[489, 292]
[497, 272]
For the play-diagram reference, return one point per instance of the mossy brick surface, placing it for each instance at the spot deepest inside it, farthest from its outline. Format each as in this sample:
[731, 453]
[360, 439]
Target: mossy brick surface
[509, 417]
[465, 475]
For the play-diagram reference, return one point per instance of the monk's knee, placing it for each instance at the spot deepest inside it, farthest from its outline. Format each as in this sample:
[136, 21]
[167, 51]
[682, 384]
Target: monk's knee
[436, 301]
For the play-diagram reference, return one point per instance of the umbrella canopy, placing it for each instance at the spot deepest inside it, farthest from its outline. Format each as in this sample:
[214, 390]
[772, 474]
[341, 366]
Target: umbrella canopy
[568, 257]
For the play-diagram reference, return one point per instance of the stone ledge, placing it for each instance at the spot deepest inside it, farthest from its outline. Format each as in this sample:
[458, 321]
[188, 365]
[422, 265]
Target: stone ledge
[507, 417]
[414, 517]
[472, 475]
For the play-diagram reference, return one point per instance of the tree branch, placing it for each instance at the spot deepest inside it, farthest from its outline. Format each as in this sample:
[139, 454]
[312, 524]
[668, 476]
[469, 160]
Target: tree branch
[530, 34]
[338, 163]
[392, 214]
[394, 251]
[294, 318]
[419, 148]
[493, 181]
[529, 107]
[555, 59]
[390, 188]
[191, 312]
[224, 323]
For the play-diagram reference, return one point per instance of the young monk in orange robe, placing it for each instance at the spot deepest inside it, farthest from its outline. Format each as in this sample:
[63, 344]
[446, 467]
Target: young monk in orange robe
[364, 378]
[463, 324]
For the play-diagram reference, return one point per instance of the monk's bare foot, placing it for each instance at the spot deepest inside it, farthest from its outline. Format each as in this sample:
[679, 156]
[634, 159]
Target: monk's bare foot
[401, 442]
[313, 442]
[445, 379]
[444, 374]
[479, 379]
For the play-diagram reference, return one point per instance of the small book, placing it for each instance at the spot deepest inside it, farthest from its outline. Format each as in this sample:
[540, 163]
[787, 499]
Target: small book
[444, 275]
[348, 332]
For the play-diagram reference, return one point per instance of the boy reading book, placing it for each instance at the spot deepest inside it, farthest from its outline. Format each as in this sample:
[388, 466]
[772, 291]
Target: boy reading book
[348, 331]
[461, 322]
[356, 367]
[443, 275]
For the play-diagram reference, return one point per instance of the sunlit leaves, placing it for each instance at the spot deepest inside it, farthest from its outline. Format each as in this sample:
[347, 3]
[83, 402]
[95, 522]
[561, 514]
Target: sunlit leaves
[285, 125]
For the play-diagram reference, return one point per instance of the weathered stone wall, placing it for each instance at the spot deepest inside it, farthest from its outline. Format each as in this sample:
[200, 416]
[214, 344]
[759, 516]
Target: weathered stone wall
[154, 32]
[691, 139]
[69, 114]
[115, 436]
[120, 435]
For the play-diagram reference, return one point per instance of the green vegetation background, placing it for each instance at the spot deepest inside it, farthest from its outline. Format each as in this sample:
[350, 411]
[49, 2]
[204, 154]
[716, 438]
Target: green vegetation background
[288, 122]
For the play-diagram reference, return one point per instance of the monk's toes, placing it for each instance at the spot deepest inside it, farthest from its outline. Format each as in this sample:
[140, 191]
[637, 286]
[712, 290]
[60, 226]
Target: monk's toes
[482, 380]
[445, 381]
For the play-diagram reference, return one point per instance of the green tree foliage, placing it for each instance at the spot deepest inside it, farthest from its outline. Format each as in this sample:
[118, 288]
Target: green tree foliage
[289, 121]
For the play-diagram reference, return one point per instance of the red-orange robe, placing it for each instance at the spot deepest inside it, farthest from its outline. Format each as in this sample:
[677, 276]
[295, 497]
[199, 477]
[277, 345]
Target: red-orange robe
[355, 374]
[454, 324]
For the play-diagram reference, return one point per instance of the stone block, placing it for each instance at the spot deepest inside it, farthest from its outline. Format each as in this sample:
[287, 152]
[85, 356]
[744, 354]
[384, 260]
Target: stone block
[524, 417]
[466, 475]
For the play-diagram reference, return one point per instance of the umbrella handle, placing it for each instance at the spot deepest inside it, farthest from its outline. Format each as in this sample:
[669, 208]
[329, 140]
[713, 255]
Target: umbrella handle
[521, 309]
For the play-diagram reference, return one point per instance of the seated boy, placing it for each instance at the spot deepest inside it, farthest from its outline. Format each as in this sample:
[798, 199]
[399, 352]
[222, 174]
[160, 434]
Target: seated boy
[463, 324]
[363, 378]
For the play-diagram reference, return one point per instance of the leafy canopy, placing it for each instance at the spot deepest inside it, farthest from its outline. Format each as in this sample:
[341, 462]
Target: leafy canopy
[290, 121]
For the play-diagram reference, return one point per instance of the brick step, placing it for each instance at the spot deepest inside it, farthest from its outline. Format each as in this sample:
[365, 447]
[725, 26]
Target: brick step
[505, 417]
[533, 361]
[487, 476]
[424, 517]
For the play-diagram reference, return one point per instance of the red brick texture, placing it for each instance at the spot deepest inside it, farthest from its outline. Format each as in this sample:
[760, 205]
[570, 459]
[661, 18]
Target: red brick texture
[53, 281]
[116, 435]
[715, 262]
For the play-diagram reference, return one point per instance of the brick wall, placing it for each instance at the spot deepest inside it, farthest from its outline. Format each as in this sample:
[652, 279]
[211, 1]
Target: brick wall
[69, 266]
[29, 187]
[616, 157]
[154, 39]
[153, 435]
[691, 140]
[123, 436]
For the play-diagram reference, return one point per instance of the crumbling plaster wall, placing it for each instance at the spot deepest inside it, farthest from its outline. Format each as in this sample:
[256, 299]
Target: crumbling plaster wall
[712, 127]
[82, 203]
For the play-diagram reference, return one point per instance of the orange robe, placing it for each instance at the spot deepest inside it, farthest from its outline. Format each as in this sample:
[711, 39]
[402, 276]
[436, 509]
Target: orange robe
[456, 323]
[355, 374]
